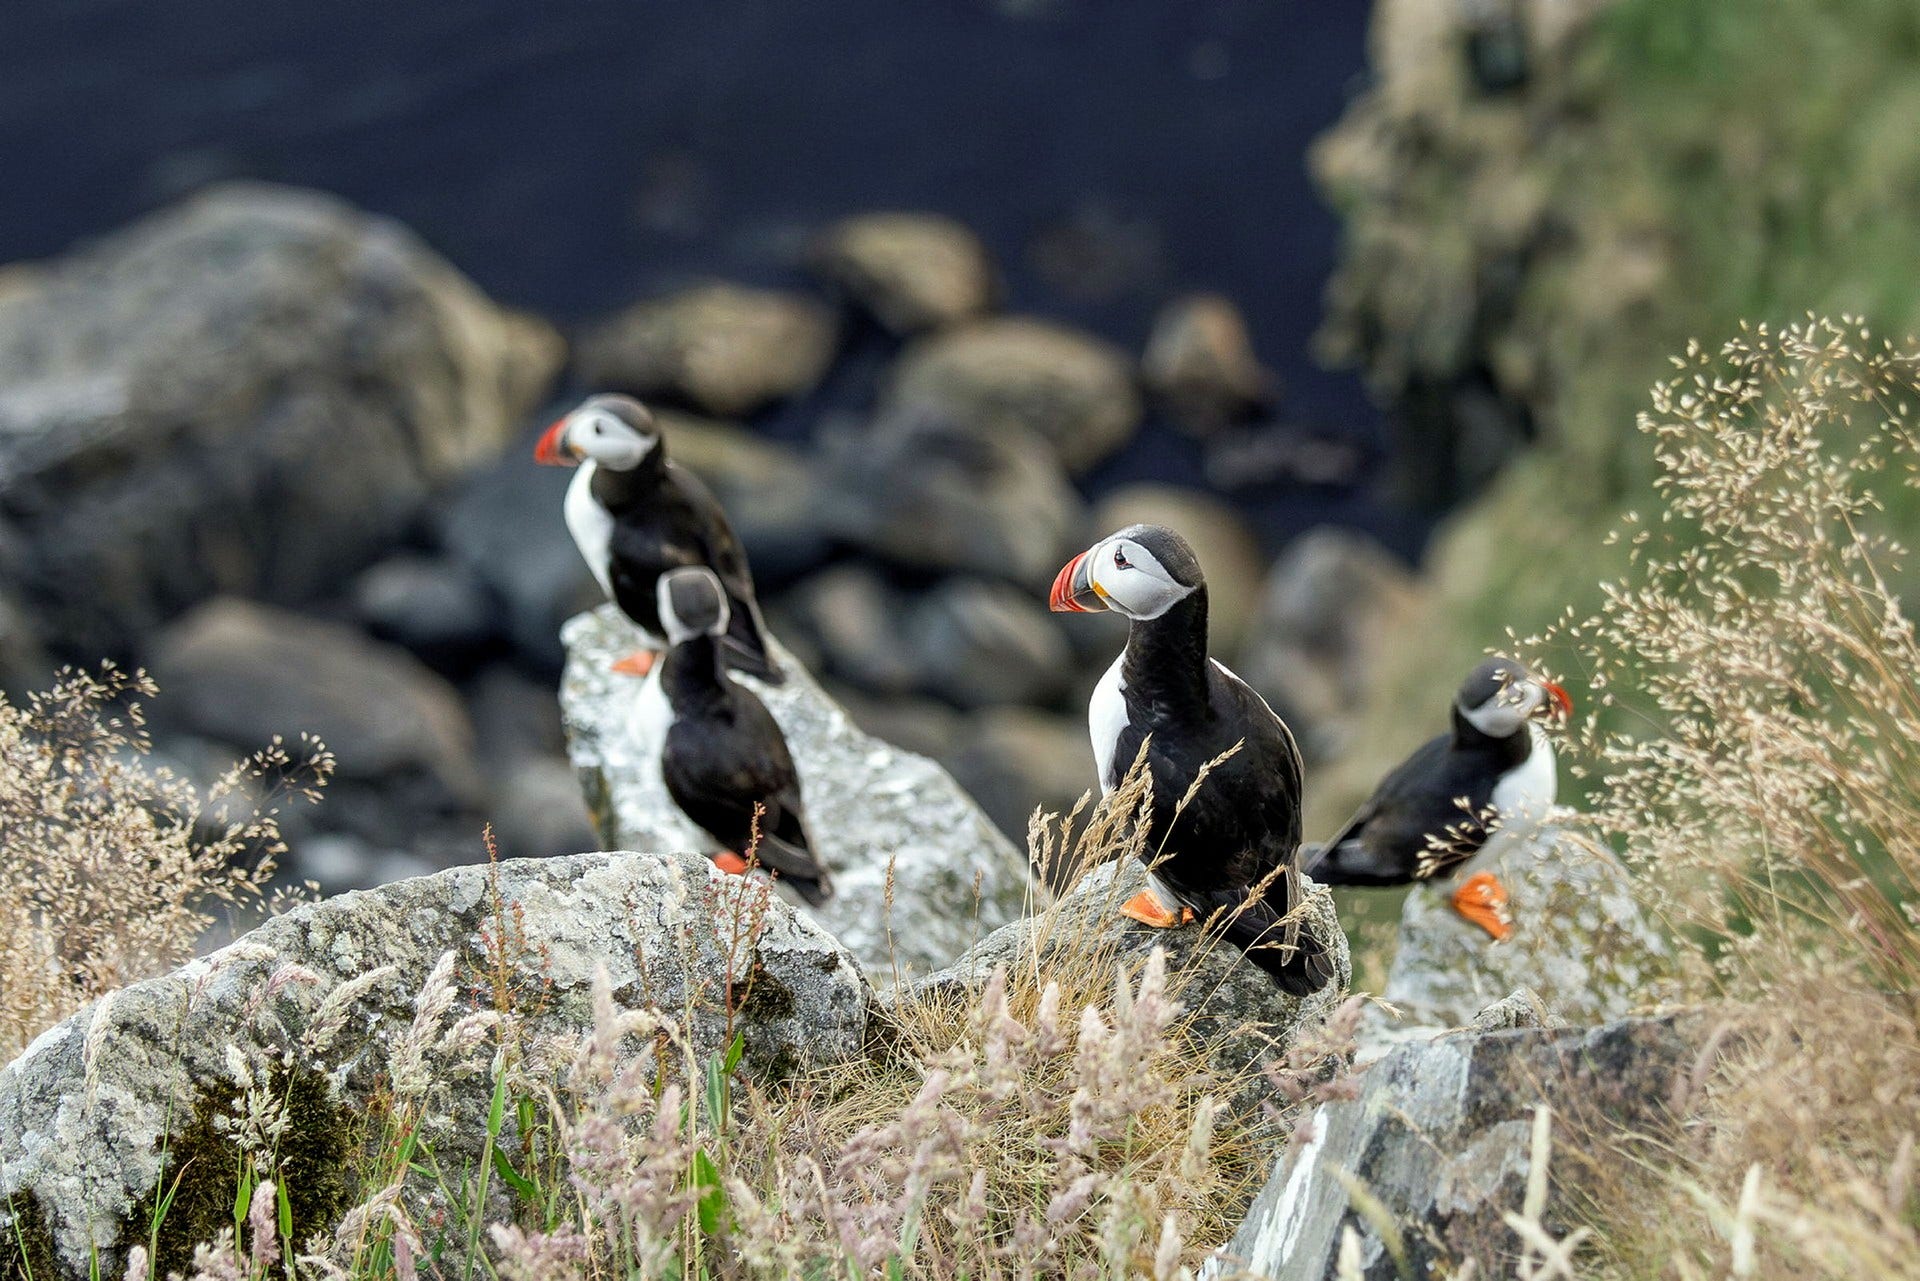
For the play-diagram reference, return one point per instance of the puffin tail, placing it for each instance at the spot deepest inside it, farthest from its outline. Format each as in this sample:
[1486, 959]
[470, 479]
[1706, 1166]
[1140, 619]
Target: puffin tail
[1272, 935]
[746, 648]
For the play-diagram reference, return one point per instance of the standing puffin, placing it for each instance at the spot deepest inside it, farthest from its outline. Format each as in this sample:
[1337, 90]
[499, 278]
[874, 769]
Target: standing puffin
[721, 752]
[634, 515]
[1242, 826]
[1450, 808]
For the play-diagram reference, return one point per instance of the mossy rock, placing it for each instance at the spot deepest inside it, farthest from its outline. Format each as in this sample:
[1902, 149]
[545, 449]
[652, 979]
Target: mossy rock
[135, 1098]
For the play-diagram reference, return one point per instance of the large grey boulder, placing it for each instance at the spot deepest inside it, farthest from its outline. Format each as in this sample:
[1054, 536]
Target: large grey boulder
[1439, 1142]
[1201, 364]
[923, 490]
[243, 673]
[1236, 1008]
[919, 872]
[722, 348]
[249, 392]
[909, 271]
[1018, 375]
[1579, 941]
[319, 1007]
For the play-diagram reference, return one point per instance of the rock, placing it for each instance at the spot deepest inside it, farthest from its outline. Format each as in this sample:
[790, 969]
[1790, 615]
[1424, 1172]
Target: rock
[514, 716]
[1229, 555]
[983, 644]
[242, 673]
[1251, 1019]
[923, 725]
[723, 349]
[854, 620]
[507, 526]
[1025, 376]
[909, 271]
[1440, 1138]
[84, 1110]
[537, 810]
[973, 643]
[1200, 362]
[1579, 942]
[437, 609]
[249, 392]
[1014, 760]
[921, 491]
[1333, 604]
[892, 826]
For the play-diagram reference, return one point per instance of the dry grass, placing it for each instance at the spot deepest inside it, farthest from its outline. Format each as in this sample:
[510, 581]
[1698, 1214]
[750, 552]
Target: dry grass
[1757, 758]
[1063, 1114]
[111, 869]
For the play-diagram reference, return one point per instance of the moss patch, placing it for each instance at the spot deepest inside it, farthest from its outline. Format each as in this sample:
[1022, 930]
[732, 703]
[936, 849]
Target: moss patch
[27, 1250]
[204, 1166]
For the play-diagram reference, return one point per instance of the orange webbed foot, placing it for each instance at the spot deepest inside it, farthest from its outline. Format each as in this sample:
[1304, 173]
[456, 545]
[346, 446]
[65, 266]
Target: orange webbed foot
[638, 663]
[1145, 908]
[730, 863]
[1482, 899]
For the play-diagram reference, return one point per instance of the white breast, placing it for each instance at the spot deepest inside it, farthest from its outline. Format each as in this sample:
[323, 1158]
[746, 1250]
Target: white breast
[1524, 794]
[1106, 721]
[591, 526]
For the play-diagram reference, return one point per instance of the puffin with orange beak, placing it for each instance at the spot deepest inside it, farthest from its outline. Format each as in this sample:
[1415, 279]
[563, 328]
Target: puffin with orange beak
[635, 514]
[1226, 850]
[1449, 812]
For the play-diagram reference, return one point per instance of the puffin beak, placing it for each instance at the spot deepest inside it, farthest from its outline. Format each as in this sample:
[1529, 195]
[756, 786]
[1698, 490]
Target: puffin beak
[1563, 705]
[548, 449]
[1073, 590]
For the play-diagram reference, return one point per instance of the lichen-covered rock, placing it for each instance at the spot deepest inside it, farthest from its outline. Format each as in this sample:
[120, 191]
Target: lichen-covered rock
[909, 271]
[1440, 1139]
[251, 392]
[1579, 941]
[724, 349]
[919, 872]
[86, 1110]
[1013, 374]
[1247, 1017]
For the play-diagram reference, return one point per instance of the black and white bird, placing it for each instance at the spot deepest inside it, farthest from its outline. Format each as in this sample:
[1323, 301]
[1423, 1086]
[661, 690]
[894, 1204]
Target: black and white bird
[722, 755]
[1241, 828]
[1448, 812]
[635, 514]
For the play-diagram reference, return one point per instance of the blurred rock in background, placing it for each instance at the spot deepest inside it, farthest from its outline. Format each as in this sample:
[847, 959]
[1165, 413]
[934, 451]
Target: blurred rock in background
[278, 451]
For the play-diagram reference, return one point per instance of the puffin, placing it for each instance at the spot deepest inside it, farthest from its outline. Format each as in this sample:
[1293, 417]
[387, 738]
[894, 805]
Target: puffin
[1231, 847]
[1449, 810]
[722, 755]
[635, 514]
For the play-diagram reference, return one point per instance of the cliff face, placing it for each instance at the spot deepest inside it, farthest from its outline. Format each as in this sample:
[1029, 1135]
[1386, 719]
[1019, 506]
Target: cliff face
[1542, 202]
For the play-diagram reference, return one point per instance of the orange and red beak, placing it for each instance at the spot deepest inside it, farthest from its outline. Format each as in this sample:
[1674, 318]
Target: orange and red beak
[1563, 705]
[548, 450]
[1073, 590]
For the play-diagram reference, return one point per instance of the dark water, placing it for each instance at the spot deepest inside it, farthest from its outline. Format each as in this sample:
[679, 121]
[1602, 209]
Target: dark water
[571, 154]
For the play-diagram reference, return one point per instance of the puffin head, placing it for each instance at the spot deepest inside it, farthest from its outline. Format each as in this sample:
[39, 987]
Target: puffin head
[692, 603]
[1142, 571]
[1500, 695]
[617, 432]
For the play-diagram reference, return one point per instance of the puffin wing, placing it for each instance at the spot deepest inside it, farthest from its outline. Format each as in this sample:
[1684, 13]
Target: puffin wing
[1421, 821]
[718, 780]
[745, 640]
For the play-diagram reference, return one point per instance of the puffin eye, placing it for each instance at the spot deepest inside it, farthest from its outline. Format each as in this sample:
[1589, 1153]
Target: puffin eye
[1120, 560]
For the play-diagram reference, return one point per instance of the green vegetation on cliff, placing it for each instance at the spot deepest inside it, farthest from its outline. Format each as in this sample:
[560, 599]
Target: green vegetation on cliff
[1543, 201]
